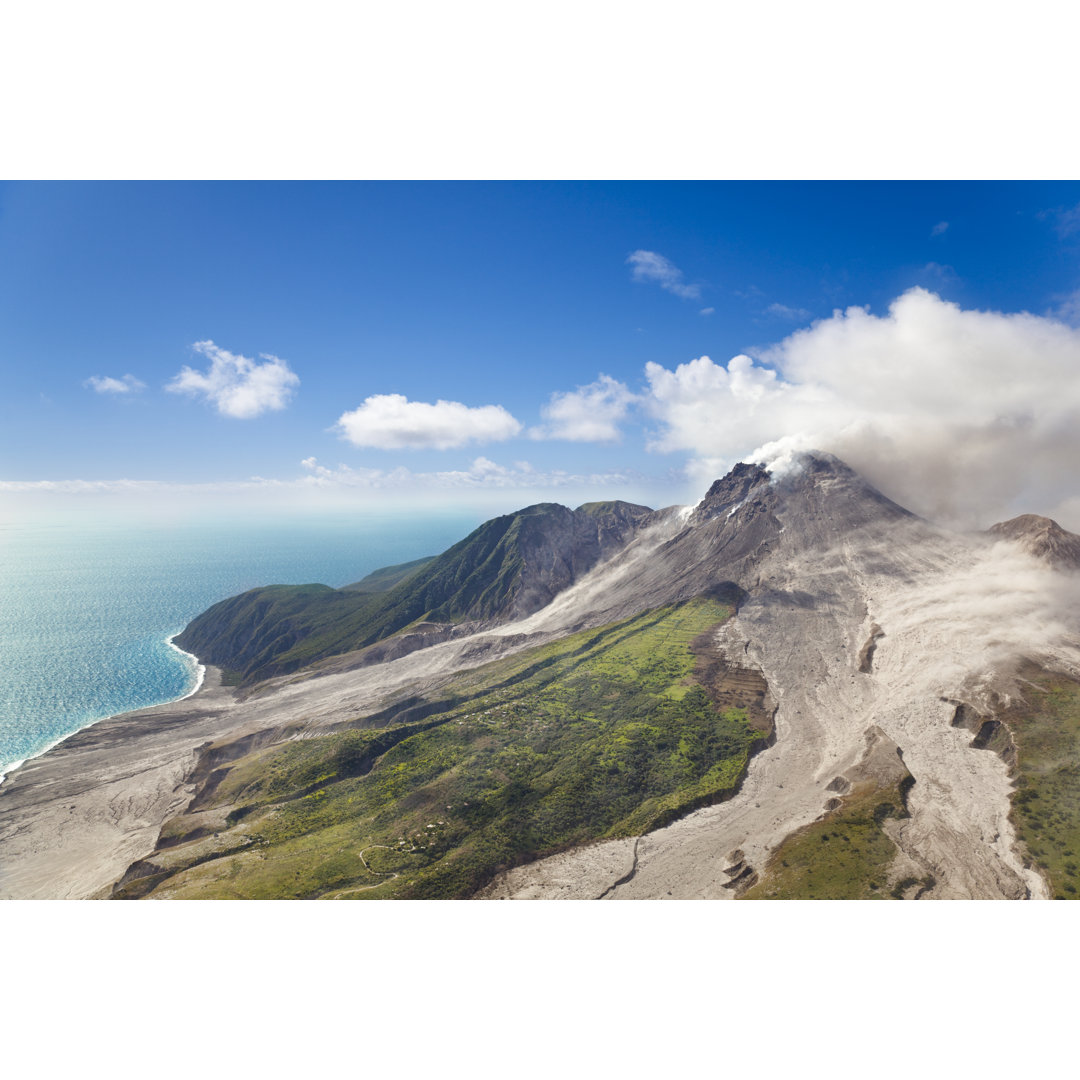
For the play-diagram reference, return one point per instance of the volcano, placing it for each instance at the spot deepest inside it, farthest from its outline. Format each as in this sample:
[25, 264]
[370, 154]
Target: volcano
[794, 688]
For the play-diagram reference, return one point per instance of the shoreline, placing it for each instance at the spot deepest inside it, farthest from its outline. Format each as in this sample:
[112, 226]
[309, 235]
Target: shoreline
[73, 818]
[200, 678]
[200, 672]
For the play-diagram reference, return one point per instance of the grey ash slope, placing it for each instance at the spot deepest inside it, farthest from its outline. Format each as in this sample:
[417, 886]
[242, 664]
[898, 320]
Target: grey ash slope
[506, 569]
[1042, 537]
[745, 522]
[827, 566]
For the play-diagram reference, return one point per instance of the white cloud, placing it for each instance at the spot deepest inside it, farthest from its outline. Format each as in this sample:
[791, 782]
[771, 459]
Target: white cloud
[939, 274]
[939, 229]
[106, 384]
[1069, 309]
[588, 414]
[482, 473]
[483, 466]
[707, 311]
[955, 414]
[392, 422]
[236, 385]
[71, 487]
[649, 266]
[782, 311]
[1066, 222]
[475, 486]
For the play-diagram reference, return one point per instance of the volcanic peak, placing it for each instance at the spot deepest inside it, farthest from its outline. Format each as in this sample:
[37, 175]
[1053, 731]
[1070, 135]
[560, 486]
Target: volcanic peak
[813, 477]
[730, 492]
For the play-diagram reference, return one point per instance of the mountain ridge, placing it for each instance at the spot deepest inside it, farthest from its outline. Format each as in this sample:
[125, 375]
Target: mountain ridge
[921, 687]
[515, 565]
[507, 568]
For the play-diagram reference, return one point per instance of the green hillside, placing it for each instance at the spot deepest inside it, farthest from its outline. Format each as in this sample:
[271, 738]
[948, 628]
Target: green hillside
[387, 577]
[508, 567]
[608, 732]
[1045, 729]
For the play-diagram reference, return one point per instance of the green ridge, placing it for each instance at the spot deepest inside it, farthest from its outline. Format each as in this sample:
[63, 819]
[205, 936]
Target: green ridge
[511, 565]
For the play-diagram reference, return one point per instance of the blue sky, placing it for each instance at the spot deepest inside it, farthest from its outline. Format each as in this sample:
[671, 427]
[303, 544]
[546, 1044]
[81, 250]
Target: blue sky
[339, 300]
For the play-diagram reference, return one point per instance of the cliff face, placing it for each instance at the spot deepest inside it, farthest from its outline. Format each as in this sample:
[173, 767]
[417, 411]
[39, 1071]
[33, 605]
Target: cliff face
[506, 569]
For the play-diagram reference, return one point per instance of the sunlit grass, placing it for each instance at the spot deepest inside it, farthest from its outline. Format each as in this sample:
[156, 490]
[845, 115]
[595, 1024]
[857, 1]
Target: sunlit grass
[604, 733]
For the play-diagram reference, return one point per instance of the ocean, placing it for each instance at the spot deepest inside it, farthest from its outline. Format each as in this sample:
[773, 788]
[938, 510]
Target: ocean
[87, 607]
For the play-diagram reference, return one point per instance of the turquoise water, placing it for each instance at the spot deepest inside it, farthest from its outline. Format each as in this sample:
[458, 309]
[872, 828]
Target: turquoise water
[87, 608]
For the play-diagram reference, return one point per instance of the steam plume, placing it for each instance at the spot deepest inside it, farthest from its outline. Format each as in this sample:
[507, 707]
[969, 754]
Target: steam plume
[963, 416]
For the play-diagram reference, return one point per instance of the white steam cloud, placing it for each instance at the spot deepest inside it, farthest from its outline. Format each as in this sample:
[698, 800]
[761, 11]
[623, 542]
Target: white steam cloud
[959, 415]
[392, 422]
[235, 385]
[588, 414]
[975, 616]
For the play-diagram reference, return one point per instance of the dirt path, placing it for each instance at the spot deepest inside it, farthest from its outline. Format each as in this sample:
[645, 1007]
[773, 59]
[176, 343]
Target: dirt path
[388, 874]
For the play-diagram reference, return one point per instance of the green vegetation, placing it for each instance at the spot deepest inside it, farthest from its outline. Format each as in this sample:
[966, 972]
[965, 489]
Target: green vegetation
[604, 733]
[281, 628]
[1046, 806]
[844, 856]
[387, 577]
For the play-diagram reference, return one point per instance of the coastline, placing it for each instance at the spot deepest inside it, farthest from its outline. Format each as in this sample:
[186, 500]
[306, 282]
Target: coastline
[199, 674]
[73, 818]
[200, 669]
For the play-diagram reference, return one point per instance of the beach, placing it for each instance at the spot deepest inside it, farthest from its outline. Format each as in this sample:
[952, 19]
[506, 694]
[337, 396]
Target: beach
[73, 819]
